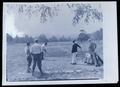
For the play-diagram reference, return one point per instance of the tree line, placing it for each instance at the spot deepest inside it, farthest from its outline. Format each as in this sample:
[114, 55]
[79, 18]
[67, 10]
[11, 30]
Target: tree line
[41, 38]
[83, 36]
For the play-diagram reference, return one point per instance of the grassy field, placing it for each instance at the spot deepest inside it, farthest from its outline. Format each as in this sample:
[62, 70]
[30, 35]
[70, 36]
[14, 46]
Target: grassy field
[56, 64]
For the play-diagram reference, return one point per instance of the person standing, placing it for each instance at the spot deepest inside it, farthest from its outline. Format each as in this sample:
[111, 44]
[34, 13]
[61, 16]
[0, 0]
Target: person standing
[37, 59]
[28, 56]
[96, 60]
[43, 49]
[92, 48]
[74, 51]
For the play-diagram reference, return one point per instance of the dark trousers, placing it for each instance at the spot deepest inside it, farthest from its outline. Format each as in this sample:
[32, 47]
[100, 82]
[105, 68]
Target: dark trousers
[37, 60]
[42, 55]
[99, 60]
[92, 60]
[96, 60]
[29, 61]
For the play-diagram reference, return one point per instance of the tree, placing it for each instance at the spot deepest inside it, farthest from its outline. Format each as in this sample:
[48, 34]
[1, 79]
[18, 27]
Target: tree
[98, 35]
[44, 11]
[62, 39]
[81, 11]
[27, 38]
[16, 39]
[86, 12]
[53, 39]
[83, 36]
[9, 38]
[42, 38]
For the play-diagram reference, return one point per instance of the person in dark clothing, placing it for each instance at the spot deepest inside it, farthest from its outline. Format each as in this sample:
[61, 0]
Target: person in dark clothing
[95, 58]
[74, 51]
[29, 57]
[92, 48]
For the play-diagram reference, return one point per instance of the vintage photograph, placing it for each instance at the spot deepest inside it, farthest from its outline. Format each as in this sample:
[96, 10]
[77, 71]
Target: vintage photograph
[53, 41]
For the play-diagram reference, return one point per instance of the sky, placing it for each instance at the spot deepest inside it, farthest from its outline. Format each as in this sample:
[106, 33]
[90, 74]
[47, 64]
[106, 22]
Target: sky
[61, 25]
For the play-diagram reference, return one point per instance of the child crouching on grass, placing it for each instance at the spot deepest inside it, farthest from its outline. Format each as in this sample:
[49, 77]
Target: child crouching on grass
[28, 56]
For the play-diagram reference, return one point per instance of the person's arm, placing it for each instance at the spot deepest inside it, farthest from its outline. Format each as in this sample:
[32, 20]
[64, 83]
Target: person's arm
[44, 49]
[78, 46]
[95, 45]
[31, 51]
[26, 49]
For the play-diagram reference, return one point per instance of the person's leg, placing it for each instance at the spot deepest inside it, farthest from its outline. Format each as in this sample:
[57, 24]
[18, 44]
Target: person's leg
[29, 60]
[73, 58]
[27, 64]
[34, 63]
[94, 59]
[39, 63]
[42, 55]
[90, 59]
[87, 60]
[98, 60]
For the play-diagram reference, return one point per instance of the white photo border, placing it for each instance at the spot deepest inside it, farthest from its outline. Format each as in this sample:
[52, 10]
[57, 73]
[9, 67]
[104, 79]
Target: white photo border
[110, 50]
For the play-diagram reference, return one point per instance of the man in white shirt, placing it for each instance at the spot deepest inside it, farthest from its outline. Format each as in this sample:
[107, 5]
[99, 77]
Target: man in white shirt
[37, 59]
[43, 49]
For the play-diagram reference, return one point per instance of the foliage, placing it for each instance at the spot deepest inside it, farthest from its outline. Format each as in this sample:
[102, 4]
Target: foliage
[41, 38]
[98, 35]
[45, 11]
[9, 38]
[86, 12]
[53, 39]
[83, 37]
[63, 39]
[42, 11]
